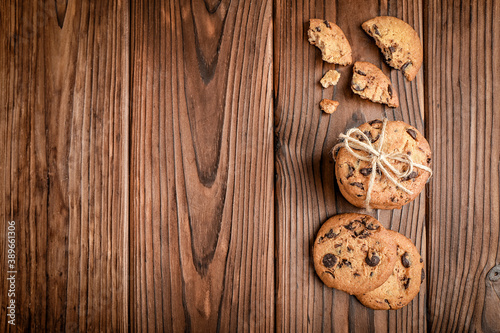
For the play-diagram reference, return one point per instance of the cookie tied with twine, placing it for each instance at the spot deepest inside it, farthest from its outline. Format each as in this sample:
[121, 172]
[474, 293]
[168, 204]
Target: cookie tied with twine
[382, 164]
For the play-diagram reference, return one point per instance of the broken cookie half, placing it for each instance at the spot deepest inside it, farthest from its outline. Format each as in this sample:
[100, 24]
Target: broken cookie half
[399, 43]
[369, 82]
[330, 39]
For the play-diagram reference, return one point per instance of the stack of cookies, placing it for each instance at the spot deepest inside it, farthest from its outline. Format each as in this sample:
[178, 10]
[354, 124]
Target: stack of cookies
[402, 146]
[356, 254]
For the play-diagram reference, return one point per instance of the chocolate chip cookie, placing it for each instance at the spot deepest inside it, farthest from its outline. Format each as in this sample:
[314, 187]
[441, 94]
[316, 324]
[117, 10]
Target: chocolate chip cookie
[353, 174]
[399, 43]
[330, 39]
[353, 253]
[404, 283]
[369, 82]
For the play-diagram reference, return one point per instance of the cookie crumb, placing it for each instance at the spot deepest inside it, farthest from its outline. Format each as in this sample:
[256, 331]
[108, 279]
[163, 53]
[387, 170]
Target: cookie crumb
[328, 106]
[331, 78]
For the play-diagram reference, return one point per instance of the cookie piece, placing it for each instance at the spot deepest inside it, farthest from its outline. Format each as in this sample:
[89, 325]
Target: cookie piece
[331, 78]
[353, 253]
[328, 106]
[404, 283]
[330, 39]
[369, 82]
[353, 174]
[399, 43]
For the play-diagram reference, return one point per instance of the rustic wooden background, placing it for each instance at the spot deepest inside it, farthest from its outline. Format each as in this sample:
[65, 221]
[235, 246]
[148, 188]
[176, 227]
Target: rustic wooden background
[167, 165]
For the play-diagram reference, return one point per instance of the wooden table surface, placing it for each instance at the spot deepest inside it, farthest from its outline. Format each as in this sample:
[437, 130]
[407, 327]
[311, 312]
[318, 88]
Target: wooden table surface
[167, 166]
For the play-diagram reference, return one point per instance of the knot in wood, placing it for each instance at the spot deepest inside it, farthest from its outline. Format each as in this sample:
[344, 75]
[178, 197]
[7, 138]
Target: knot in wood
[494, 273]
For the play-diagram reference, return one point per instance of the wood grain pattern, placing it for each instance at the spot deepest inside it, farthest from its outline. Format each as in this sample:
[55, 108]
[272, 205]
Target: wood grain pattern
[306, 193]
[202, 232]
[462, 60]
[168, 167]
[64, 119]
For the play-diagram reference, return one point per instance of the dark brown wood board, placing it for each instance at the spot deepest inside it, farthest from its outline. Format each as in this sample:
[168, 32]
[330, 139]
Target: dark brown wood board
[201, 166]
[463, 116]
[64, 163]
[168, 167]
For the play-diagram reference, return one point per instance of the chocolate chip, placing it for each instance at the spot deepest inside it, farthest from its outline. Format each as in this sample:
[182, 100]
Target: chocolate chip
[320, 240]
[393, 199]
[329, 260]
[358, 184]
[338, 245]
[346, 262]
[350, 171]
[387, 301]
[421, 260]
[350, 226]
[412, 133]
[349, 249]
[428, 160]
[371, 226]
[406, 283]
[412, 175]
[423, 276]
[365, 171]
[357, 87]
[360, 72]
[364, 234]
[375, 29]
[330, 234]
[405, 260]
[360, 138]
[327, 24]
[328, 272]
[405, 66]
[408, 153]
[376, 121]
[357, 274]
[368, 135]
[318, 29]
[372, 260]
[392, 49]
[371, 274]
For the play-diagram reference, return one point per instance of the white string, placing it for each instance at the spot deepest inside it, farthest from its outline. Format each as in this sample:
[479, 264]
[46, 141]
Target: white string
[378, 159]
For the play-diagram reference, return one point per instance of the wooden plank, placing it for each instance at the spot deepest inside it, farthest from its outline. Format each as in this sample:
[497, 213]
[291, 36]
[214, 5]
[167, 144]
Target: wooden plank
[306, 193]
[202, 232]
[64, 130]
[462, 51]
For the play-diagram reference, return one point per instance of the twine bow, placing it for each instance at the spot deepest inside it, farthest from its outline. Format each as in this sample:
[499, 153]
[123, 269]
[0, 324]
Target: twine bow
[378, 159]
